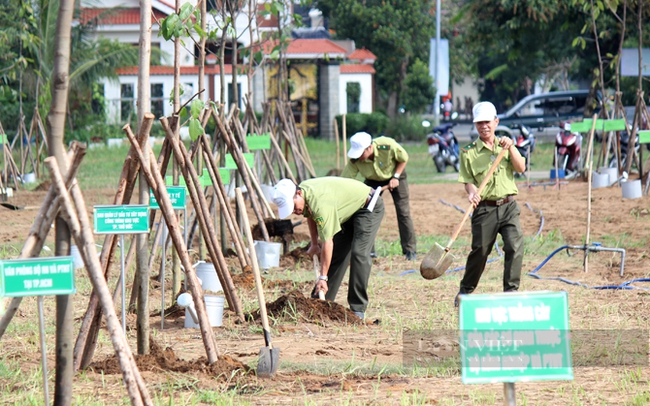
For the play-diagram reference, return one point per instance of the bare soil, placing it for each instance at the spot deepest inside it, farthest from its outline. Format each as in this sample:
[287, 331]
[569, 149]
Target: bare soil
[329, 356]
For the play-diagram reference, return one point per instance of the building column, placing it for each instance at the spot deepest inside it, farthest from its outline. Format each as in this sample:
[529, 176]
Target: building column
[328, 97]
[258, 89]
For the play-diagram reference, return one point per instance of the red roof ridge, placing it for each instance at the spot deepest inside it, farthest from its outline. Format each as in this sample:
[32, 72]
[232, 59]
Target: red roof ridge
[361, 54]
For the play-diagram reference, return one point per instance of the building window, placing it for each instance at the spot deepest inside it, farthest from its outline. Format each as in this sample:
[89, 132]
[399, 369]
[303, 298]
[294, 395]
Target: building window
[353, 91]
[126, 102]
[157, 100]
[231, 96]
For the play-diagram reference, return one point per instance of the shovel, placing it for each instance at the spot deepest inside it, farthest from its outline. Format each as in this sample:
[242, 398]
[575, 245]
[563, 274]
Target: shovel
[14, 207]
[269, 355]
[438, 259]
[321, 294]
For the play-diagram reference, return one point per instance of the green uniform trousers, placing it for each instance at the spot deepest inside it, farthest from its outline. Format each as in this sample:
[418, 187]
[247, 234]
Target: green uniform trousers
[403, 209]
[487, 222]
[352, 246]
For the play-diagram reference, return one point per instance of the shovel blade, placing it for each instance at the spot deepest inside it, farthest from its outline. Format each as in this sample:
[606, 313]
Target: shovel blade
[268, 363]
[436, 262]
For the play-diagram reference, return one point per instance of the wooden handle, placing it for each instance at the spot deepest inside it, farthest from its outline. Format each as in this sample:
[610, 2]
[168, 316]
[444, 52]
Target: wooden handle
[256, 269]
[486, 179]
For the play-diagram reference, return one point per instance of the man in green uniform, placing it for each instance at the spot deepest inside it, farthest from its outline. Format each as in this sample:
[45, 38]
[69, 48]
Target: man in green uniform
[340, 213]
[382, 162]
[495, 210]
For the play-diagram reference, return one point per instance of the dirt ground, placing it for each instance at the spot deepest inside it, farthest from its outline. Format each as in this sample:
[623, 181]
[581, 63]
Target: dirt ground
[328, 356]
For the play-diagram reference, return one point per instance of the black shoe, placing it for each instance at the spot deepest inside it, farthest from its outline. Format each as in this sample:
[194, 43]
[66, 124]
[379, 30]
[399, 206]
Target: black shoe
[457, 300]
[411, 256]
[373, 254]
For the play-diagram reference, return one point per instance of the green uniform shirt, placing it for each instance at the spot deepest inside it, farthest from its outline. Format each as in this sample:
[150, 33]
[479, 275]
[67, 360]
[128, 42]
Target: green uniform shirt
[330, 201]
[475, 162]
[387, 154]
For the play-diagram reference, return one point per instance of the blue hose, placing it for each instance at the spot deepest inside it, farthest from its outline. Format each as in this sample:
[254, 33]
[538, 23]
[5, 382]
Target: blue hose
[623, 286]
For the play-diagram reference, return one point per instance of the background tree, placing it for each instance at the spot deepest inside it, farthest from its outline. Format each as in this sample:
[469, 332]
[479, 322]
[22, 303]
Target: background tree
[419, 91]
[397, 31]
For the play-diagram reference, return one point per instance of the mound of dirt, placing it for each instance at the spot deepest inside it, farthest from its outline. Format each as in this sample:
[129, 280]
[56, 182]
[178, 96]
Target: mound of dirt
[295, 305]
[43, 186]
[158, 359]
[245, 279]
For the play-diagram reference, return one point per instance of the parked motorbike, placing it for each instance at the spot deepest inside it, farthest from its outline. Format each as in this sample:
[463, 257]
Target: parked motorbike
[567, 146]
[625, 139]
[524, 141]
[444, 148]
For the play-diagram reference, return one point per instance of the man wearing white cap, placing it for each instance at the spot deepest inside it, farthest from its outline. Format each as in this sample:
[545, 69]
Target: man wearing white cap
[495, 209]
[340, 214]
[382, 162]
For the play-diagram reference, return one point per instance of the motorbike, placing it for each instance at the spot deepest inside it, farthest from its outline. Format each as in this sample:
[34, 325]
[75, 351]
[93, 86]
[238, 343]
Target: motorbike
[567, 146]
[524, 141]
[625, 140]
[444, 148]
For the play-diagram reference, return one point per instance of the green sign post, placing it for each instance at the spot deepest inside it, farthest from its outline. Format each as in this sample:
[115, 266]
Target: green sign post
[177, 195]
[514, 337]
[37, 277]
[125, 219]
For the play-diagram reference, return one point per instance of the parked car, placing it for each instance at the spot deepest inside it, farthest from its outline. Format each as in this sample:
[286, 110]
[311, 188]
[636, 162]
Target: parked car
[543, 110]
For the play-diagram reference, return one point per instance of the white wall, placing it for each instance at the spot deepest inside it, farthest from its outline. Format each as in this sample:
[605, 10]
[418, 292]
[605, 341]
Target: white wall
[365, 100]
[112, 91]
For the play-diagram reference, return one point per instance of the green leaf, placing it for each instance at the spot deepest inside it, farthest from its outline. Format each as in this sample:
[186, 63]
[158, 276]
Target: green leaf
[196, 130]
[186, 11]
[196, 107]
[197, 28]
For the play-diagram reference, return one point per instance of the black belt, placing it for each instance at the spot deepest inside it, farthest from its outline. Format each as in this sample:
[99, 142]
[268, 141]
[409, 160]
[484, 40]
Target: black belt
[497, 203]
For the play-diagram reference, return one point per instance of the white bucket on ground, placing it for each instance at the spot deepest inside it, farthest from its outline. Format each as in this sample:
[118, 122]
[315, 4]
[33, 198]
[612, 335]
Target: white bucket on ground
[76, 257]
[268, 254]
[208, 275]
[214, 307]
[114, 142]
[599, 180]
[631, 189]
[268, 192]
[612, 172]
[29, 177]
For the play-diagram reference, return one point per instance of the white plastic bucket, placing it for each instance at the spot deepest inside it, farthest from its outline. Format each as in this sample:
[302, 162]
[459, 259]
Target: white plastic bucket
[599, 180]
[268, 254]
[612, 172]
[268, 192]
[631, 189]
[76, 257]
[29, 177]
[114, 142]
[208, 275]
[214, 307]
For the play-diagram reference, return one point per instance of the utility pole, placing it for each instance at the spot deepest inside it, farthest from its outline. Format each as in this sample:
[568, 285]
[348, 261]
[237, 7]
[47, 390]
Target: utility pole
[436, 102]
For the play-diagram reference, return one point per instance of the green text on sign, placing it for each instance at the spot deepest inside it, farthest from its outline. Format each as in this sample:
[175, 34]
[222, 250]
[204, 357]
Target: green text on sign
[37, 277]
[248, 156]
[255, 142]
[176, 194]
[514, 337]
[126, 219]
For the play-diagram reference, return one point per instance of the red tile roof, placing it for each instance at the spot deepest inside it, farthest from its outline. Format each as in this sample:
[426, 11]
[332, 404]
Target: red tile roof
[314, 46]
[361, 54]
[124, 16]
[269, 21]
[357, 68]
[169, 70]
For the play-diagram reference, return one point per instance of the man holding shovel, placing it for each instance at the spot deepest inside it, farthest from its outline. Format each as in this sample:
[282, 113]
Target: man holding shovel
[495, 210]
[343, 215]
[382, 162]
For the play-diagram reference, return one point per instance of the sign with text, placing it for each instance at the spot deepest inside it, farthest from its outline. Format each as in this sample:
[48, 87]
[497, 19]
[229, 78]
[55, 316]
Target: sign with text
[514, 337]
[125, 219]
[37, 277]
[176, 194]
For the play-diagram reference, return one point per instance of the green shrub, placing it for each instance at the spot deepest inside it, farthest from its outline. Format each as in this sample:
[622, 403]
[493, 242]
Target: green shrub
[373, 123]
[406, 127]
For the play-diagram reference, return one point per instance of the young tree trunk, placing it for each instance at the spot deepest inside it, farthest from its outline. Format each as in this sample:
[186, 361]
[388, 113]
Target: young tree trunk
[56, 129]
[142, 254]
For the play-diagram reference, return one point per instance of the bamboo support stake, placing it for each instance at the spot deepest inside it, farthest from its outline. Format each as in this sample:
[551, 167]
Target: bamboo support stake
[83, 236]
[238, 157]
[278, 150]
[202, 210]
[91, 323]
[42, 225]
[338, 150]
[160, 191]
[220, 192]
[345, 141]
[589, 162]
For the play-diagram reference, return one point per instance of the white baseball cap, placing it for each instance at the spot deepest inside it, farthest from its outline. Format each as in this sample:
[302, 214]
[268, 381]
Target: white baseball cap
[283, 197]
[484, 111]
[358, 143]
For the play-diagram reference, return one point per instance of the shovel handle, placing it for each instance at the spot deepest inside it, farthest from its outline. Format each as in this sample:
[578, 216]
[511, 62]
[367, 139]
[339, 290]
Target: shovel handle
[486, 179]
